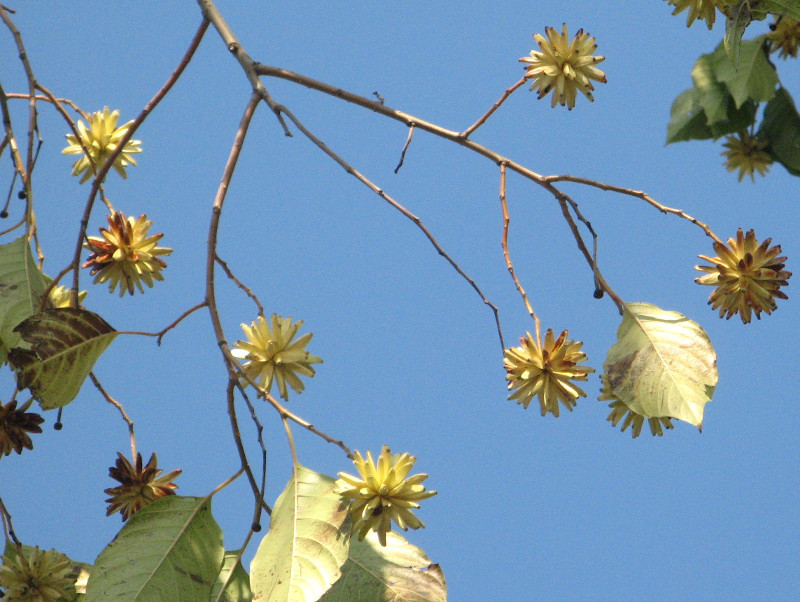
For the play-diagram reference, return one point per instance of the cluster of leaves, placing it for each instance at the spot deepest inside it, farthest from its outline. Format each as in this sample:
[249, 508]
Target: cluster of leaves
[731, 83]
[307, 554]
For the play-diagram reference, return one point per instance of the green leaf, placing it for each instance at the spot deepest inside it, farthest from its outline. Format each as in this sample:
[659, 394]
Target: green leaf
[79, 571]
[662, 365]
[65, 344]
[781, 126]
[233, 582]
[754, 77]
[711, 94]
[687, 119]
[734, 29]
[302, 554]
[399, 571]
[169, 551]
[788, 8]
[22, 285]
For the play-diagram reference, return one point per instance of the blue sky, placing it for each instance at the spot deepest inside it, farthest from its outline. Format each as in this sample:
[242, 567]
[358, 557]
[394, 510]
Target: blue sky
[528, 507]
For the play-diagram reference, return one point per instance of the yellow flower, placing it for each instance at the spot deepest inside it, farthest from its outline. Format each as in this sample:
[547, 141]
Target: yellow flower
[101, 139]
[383, 493]
[701, 9]
[563, 66]
[15, 424]
[44, 577]
[269, 353]
[619, 411]
[785, 37]
[139, 486]
[748, 276]
[126, 255]
[60, 296]
[546, 372]
[746, 153]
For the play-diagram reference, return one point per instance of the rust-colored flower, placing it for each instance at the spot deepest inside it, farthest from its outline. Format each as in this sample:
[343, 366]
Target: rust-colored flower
[747, 154]
[140, 486]
[45, 576]
[546, 371]
[15, 424]
[620, 410]
[785, 37]
[126, 255]
[748, 276]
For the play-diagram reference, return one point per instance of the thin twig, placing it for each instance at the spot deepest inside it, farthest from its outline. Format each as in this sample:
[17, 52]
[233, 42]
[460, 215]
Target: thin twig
[8, 527]
[121, 409]
[563, 203]
[50, 99]
[184, 315]
[405, 148]
[507, 255]
[240, 284]
[417, 221]
[639, 194]
[258, 493]
[494, 107]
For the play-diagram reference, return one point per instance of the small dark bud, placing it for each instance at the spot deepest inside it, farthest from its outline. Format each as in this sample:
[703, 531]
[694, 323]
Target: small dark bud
[256, 527]
[598, 293]
[22, 194]
[58, 426]
[4, 214]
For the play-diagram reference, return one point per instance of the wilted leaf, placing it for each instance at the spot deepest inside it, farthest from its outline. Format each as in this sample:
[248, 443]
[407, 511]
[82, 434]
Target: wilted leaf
[302, 554]
[169, 551]
[22, 285]
[398, 572]
[233, 582]
[662, 364]
[65, 344]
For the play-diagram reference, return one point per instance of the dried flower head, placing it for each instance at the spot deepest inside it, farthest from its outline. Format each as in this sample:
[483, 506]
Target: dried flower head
[746, 153]
[546, 371]
[620, 410]
[60, 296]
[139, 486]
[270, 354]
[701, 9]
[785, 37]
[383, 494]
[748, 276]
[126, 255]
[15, 424]
[101, 139]
[563, 66]
[44, 577]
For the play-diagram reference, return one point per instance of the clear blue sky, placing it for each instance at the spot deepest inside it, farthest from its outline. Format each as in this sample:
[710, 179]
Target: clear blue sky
[528, 507]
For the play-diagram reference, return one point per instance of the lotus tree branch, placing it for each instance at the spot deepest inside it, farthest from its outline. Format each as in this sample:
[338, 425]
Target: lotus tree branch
[506, 254]
[234, 368]
[494, 107]
[416, 220]
[121, 409]
[635, 193]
